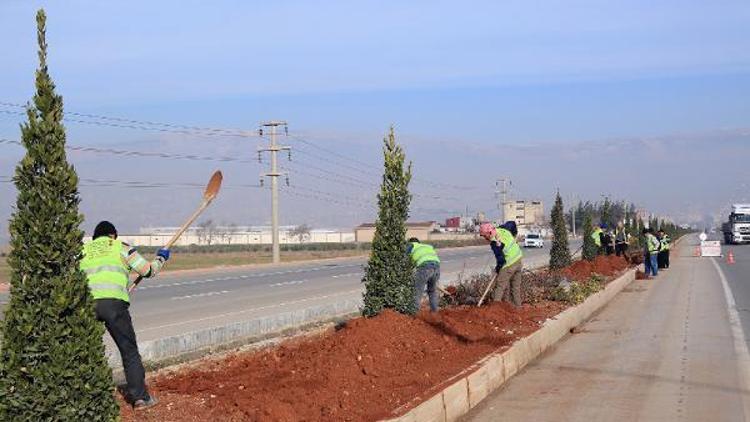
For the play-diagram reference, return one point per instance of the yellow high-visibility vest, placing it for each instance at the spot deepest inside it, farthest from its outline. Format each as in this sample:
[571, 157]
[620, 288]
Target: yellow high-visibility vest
[104, 267]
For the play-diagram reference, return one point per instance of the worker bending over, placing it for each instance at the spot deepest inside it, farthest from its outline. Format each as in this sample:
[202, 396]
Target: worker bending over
[508, 259]
[598, 236]
[427, 265]
[107, 263]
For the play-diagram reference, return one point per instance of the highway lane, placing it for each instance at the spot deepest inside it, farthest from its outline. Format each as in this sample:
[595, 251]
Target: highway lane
[664, 349]
[171, 305]
[180, 302]
[738, 278]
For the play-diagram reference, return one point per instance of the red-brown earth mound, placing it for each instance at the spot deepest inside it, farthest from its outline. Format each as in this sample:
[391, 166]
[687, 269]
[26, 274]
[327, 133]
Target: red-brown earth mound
[602, 265]
[362, 372]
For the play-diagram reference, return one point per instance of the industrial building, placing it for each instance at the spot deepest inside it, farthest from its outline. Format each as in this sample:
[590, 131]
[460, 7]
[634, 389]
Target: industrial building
[525, 213]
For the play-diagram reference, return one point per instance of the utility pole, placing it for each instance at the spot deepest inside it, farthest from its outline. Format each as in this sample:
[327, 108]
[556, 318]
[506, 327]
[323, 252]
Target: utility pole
[273, 148]
[573, 206]
[501, 191]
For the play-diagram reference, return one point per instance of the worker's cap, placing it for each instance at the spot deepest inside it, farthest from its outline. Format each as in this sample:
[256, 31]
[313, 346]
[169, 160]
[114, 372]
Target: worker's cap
[510, 225]
[413, 240]
[105, 228]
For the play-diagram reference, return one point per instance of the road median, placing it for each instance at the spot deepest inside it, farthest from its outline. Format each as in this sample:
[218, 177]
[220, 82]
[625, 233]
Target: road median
[493, 371]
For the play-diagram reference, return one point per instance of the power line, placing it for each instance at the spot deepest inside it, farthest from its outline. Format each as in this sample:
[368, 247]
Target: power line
[140, 184]
[149, 125]
[438, 185]
[128, 153]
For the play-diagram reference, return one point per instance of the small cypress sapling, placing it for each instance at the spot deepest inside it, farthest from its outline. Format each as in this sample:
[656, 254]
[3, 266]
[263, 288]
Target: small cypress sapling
[388, 274]
[52, 364]
[559, 256]
[590, 249]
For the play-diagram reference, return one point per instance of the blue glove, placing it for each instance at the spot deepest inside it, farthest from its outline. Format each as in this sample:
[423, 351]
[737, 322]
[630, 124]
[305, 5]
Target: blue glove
[163, 253]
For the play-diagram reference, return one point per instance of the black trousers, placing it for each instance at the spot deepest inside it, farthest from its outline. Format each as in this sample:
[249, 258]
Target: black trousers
[621, 249]
[115, 314]
[663, 259]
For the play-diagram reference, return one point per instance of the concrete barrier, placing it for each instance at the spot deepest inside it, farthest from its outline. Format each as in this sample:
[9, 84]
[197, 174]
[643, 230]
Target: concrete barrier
[493, 371]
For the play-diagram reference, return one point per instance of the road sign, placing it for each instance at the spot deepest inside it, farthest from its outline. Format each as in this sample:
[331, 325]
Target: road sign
[703, 236]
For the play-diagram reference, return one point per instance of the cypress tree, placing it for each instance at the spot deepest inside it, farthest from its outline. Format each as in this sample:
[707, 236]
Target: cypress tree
[590, 249]
[606, 213]
[52, 364]
[388, 274]
[559, 256]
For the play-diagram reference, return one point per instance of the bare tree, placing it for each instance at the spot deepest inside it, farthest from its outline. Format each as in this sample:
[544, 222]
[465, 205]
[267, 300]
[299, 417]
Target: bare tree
[301, 232]
[231, 230]
[206, 232]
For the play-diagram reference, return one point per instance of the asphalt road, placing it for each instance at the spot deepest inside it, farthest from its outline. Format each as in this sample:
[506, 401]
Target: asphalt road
[174, 304]
[669, 348]
[181, 302]
[738, 278]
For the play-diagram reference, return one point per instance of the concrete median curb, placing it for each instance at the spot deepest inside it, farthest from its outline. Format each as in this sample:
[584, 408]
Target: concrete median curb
[492, 372]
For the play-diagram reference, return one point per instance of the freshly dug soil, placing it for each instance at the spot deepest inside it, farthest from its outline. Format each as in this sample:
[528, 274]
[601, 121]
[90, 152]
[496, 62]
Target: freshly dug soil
[360, 373]
[602, 265]
[365, 371]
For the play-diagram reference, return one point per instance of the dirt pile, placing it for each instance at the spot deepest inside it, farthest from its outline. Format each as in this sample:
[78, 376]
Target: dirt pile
[602, 265]
[362, 372]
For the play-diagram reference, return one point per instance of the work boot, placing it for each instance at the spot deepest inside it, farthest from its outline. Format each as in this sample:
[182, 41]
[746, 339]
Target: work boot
[141, 404]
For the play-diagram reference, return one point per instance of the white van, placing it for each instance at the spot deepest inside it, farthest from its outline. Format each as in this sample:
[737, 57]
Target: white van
[533, 240]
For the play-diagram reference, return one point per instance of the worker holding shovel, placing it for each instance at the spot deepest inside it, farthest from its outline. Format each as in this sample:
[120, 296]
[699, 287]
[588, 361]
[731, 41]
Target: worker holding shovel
[509, 263]
[107, 263]
[427, 266]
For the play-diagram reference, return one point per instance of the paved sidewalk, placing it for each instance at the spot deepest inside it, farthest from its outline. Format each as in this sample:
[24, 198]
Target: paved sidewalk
[663, 350]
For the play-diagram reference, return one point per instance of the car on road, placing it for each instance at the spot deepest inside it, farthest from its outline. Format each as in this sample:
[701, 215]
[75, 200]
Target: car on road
[533, 240]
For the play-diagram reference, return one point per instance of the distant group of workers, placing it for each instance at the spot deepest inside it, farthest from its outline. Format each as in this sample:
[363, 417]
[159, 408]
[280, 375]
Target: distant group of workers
[655, 250]
[508, 265]
[603, 240]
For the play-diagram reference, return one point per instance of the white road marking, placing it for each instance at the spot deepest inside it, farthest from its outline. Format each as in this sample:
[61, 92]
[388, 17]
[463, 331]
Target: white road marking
[238, 277]
[288, 283]
[358, 274]
[200, 295]
[260, 308]
[740, 343]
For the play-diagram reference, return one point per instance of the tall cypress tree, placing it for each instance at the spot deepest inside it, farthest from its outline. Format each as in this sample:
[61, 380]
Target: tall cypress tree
[559, 256]
[606, 213]
[388, 274]
[52, 364]
[590, 249]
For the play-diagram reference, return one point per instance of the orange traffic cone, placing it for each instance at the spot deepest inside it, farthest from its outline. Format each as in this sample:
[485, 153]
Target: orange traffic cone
[730, 257]
[697, 251]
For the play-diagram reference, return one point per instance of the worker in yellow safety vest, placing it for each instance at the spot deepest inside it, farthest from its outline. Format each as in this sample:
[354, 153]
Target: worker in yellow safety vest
[427, 266]
[598, 235]
[107, 263]
[665, 244]
[651, 252]
[508, 256]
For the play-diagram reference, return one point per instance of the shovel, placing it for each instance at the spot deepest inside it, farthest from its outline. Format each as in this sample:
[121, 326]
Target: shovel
[487, 290]
[212, 189]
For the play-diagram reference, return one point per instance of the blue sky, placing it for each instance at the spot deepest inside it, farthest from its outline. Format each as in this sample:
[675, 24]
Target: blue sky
[468, 85]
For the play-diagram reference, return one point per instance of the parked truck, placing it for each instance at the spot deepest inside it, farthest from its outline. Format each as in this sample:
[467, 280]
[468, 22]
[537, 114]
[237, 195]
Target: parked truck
[737, 229]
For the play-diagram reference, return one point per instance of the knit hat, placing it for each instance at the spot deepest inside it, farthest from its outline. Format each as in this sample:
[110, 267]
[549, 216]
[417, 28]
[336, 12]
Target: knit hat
[105, 228]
